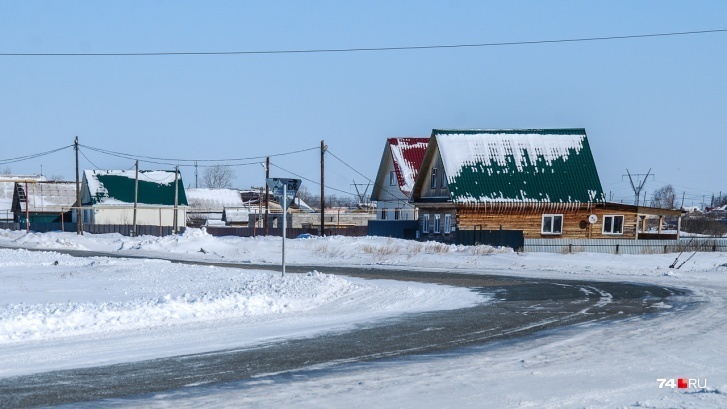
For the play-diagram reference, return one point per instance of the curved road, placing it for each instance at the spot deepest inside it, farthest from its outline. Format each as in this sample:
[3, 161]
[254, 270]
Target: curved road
[522, 307]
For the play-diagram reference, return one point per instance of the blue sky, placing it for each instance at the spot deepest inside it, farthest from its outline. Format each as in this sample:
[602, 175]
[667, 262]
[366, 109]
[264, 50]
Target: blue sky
[658, 103]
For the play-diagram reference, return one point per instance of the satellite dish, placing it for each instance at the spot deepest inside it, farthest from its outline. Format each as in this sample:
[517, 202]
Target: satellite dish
[592, 219]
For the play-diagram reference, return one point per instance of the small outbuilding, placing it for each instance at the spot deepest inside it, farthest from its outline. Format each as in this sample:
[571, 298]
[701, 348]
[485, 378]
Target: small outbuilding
[44, 202]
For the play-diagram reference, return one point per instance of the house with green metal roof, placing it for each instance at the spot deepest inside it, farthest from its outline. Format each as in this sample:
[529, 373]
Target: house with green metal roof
[108, 197]
[541, 183]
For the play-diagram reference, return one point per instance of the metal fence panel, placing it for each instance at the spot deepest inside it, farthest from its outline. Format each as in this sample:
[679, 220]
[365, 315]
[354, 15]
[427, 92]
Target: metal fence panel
[624, 246]
[398, 229]
[496, 238]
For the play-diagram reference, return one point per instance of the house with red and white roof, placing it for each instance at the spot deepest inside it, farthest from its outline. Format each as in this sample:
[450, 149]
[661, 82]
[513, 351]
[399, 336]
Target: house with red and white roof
[394, 182]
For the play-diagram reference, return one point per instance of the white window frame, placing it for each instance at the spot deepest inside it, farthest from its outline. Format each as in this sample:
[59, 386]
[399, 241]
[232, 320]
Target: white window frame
[383, 213]
[613, 218]
[552, 218]
[397, 214]
[433, 184]
[437, 223]
[425, 224]
[392, 178]
[447, 224]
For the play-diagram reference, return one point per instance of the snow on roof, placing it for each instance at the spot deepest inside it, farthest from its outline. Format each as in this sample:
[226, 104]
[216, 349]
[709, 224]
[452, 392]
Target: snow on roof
[52, 197]
[468, 149]
[213, 199]
[117, 187]
[529, 165]
[236, 215]
[7, 190]
[408, 155]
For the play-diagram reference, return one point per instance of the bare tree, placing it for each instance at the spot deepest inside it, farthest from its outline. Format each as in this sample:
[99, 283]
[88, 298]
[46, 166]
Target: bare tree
[56, 178]
[6, 170]
[218, 177]
[664, 197]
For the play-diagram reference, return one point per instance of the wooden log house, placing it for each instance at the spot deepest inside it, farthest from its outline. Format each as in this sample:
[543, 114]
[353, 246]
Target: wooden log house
[541, 182]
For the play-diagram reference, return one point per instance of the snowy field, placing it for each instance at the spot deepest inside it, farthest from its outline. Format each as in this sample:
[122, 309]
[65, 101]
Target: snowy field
[60, 312]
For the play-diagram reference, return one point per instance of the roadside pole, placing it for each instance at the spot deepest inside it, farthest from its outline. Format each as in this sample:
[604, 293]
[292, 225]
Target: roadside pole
[285, 217]
[284, 190]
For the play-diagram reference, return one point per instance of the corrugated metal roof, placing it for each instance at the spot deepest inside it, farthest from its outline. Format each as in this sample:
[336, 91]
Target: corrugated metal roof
[52, 197]
[408, 155]
[519, 165]
[116, 187]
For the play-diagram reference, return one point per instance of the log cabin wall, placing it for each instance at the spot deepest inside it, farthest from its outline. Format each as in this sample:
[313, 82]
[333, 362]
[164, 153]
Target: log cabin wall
[529, 218]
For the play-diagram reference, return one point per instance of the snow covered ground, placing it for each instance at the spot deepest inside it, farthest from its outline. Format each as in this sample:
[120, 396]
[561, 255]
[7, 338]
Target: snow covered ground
[82, 312]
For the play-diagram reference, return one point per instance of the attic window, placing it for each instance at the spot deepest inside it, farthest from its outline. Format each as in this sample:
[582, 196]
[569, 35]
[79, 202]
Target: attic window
[434, 178]
[392, 178]
[552, 224]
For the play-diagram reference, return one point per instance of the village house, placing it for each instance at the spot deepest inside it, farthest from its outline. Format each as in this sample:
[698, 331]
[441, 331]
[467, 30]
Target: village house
[206, 206]
[398, 169]
[396, 215]
[7, 191]
[536, 183]
[44, 202]
[108, 197]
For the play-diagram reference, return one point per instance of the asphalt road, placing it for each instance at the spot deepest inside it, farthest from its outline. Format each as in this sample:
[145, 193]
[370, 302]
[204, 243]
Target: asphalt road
[522, 308]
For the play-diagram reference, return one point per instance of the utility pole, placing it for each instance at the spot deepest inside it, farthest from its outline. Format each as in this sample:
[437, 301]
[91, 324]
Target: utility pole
[323, 187]
[136, 196]
[637, 189]
[267, 193]
[176, 198]
[196, 180]
[683, 193]
[79, 221]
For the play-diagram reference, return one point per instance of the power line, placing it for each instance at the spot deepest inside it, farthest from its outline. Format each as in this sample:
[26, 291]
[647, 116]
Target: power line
[365, 49]
[311, 180]
[32, 156]
[95, 166]
[198, 160]
[361, 174]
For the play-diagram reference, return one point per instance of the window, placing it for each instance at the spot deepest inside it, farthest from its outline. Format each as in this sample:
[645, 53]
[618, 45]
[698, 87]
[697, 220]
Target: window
[397, 214]
[613, 224]
[425, 223]
[437, 222]
[552, 224]
[383, 214]
[443, 182]
[447, 223]
[392, 178]
[434, 178]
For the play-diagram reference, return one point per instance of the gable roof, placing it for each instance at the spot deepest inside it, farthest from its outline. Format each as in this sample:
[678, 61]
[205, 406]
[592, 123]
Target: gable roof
[407, 155]
[50, 197]
[116, 187]
[517, 165]
[7, 190]
[213, 199]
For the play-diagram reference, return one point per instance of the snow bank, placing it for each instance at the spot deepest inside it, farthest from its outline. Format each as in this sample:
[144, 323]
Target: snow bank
[120, 310]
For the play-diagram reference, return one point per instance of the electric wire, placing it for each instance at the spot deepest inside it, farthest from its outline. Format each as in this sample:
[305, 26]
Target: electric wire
[367, 49]
[156, 162]
[95, 166]
[311, 180]
[362, 175]
[199, 160]
[32, 156]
